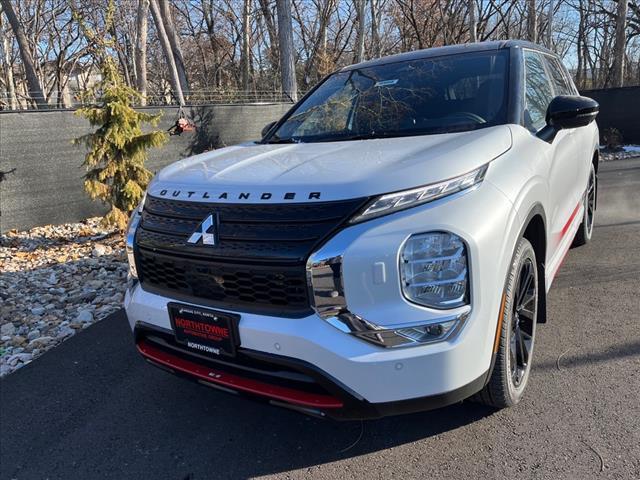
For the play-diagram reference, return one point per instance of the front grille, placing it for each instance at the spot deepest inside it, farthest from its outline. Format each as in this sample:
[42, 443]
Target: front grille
[258, 263]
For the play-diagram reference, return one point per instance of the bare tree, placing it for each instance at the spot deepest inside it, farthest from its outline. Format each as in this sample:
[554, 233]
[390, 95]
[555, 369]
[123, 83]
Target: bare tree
[245, 57]
[620, 45]
[174, 40]
[141, 48]
[36, 91]
[375, 28]
[7, 65]
[532, 21]
[205, 49]
[360, 18]
[174, 80]
[473, 23]
[271, 31]
[285, 43]
[549, 30]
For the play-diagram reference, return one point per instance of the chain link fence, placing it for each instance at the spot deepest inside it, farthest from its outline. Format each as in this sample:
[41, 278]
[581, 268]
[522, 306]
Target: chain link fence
[56, 101]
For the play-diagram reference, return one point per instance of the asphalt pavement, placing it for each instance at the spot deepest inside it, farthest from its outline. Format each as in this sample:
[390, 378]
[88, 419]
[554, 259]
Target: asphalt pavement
[92, 408]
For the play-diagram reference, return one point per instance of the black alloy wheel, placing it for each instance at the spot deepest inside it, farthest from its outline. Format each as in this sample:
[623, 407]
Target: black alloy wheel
[515, 332]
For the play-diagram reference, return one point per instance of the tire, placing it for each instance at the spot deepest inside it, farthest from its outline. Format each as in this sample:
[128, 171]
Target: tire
[512, 367]
[585, 231]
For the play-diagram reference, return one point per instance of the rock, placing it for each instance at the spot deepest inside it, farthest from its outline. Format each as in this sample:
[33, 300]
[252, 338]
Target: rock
[40, 342]
[33, 334]
[5, 338]
[83, 297]
[37, 311]
[84, 316]
[18, 340]
[53, 279]
[7, 329]
[22, 357]
[99, 250]
[65, 332]
[115, 298]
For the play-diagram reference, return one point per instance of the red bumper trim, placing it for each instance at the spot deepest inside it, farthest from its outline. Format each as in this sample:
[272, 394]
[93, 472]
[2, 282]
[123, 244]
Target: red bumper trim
[235, 382]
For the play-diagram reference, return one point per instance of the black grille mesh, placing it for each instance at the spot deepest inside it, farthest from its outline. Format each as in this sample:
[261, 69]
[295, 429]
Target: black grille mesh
[258, 264]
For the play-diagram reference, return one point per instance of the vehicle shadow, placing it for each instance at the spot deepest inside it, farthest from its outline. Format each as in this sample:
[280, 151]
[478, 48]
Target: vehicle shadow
[260, 439]
[96, 396]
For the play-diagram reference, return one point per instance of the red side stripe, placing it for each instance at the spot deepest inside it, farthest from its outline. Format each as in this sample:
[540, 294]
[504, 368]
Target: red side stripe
[235, 382]
[565, 229]
[570, 221]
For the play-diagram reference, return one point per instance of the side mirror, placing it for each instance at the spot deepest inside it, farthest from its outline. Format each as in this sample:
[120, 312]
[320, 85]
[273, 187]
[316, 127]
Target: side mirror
[572, 112]
[567, 111]
[266, 128]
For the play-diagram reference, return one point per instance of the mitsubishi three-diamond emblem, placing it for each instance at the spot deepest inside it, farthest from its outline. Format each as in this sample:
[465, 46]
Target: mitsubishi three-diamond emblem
[206, 231]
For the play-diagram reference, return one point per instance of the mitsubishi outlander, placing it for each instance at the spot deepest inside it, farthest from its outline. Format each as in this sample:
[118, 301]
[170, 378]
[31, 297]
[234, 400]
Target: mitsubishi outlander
[386, 247]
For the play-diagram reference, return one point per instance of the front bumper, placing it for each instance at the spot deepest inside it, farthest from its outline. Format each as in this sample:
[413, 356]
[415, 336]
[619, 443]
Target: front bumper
[281, 381]
[367, 372]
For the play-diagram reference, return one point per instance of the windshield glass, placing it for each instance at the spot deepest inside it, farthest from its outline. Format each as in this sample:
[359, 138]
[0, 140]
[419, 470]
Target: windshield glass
[434, 95]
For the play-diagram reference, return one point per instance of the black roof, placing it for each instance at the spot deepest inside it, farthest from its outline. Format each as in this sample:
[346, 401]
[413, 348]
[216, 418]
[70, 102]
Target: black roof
[449, 50]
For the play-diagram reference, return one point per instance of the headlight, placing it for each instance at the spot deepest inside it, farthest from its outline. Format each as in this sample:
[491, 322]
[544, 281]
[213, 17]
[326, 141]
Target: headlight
[433, 270]
[393, 202]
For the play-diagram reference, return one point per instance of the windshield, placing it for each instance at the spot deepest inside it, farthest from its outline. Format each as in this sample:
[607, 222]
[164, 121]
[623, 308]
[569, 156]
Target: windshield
[433, 95]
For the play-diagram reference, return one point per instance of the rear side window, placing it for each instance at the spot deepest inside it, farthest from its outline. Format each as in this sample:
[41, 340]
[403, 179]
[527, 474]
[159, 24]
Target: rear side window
[560, 83]
[538, 92]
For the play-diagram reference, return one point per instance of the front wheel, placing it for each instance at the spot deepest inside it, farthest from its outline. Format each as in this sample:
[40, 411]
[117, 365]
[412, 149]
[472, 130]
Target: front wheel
[517, 332]
[584, 233]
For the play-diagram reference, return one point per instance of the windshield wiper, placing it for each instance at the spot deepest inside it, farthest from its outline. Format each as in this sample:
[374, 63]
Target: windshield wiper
[357, 136]
[283, 140]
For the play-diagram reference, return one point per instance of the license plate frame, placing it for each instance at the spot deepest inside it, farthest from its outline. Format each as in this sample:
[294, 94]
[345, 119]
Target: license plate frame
[204, 330]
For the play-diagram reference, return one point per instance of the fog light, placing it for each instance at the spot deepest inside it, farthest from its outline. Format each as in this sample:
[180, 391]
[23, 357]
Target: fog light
[433, 270]
[428, 333]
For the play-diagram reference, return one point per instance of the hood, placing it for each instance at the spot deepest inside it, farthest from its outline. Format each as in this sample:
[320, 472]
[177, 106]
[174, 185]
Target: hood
[255, 173]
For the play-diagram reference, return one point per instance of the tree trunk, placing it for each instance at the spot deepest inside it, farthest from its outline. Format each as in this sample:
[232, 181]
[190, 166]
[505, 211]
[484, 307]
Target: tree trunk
[620, 45]
[579, 40]
[10, 88]
[35, 87]
[141, 48]
[473, 23]
[532, 21]
[550, 25]
[376, 48]
[271, 31]
[174, 80]
[285, 43]
[360, 16]
[245, 57]
[174, 40]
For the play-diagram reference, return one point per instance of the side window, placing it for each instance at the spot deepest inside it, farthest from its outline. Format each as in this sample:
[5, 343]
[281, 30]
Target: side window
[538, 93]
[560, 84]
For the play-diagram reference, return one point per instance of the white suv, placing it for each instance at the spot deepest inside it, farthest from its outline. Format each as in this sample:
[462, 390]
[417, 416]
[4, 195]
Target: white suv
[385, 248]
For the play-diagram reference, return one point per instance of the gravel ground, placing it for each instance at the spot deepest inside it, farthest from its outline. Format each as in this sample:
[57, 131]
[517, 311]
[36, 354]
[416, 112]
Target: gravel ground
[55, 281]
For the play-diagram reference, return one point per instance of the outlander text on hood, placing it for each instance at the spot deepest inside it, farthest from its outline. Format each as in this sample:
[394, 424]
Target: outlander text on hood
[387, 246]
